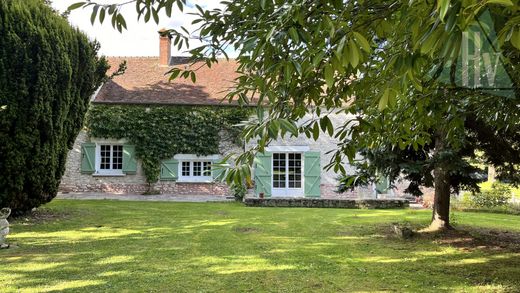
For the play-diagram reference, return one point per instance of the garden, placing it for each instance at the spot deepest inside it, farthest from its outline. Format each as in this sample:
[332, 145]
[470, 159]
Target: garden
[115, 246]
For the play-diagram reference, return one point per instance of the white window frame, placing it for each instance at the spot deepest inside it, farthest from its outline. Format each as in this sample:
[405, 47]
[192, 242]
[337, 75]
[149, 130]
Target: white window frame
[191, 159]
[107, 172]
[288, 191]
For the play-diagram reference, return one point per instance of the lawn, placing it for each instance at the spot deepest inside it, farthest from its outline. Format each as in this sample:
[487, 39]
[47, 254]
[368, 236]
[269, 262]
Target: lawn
[100, 246]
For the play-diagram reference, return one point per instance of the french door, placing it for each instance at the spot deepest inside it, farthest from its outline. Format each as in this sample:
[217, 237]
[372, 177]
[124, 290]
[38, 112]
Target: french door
[287, 174]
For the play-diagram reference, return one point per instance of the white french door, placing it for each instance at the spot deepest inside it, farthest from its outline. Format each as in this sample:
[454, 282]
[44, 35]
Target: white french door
[287, 174]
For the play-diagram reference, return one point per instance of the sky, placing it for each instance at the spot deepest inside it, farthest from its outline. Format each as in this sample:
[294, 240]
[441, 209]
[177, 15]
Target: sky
[140, 39]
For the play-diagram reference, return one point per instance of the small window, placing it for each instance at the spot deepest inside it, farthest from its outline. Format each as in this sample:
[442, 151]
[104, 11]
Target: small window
[110, 158]
[195, 171]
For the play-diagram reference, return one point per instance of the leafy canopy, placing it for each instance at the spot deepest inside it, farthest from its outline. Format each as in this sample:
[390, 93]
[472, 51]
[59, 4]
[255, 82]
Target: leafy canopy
[377, 60]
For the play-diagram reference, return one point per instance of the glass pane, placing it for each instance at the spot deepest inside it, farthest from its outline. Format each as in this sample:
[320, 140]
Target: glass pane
[206, 169]
[279, 172]
[104, 157]
[197, 168]
[185, 168]
[117, 157]
[295, 170]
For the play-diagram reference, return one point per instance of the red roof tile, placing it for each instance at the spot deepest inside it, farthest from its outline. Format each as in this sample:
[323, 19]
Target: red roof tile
[145, 82]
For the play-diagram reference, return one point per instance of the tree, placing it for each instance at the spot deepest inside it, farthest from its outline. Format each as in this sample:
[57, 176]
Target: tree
[357, 57]
[447, 166]
[48, 72]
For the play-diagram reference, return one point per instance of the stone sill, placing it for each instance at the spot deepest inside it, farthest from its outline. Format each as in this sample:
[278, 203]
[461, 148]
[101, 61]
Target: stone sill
[107, 175]
[195, 182]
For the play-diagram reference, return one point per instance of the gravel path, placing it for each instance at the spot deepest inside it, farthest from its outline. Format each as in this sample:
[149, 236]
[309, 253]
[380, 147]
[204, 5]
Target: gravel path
[138, 197]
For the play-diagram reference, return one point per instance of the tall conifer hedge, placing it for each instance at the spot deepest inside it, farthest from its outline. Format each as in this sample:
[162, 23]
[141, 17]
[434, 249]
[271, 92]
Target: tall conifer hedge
[48, 72]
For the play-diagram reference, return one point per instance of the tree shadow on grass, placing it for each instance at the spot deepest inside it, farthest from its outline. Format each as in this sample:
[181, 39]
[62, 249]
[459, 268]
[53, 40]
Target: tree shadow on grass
[186, 253]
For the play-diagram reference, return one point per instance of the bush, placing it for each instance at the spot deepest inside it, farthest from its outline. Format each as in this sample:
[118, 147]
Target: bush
[48, 72]
[498, 196]
[239, 191]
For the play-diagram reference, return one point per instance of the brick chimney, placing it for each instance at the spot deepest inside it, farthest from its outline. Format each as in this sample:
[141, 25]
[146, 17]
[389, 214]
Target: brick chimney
[165, 47]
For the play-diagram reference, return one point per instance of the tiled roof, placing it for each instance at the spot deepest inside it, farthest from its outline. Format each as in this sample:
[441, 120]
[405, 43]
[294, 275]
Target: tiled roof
[145, 82]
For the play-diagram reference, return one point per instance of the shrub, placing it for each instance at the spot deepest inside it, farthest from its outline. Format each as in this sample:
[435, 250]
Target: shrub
[239, 191]
[48, 72]
[498, 196]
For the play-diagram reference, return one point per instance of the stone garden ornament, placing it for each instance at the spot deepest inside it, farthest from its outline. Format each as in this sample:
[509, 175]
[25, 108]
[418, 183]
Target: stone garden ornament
[4, 227]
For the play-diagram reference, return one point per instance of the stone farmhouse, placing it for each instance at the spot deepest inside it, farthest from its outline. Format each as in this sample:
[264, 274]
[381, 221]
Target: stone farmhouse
[290, 167]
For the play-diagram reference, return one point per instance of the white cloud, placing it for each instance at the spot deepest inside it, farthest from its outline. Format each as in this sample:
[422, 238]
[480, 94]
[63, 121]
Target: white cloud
[141, 39]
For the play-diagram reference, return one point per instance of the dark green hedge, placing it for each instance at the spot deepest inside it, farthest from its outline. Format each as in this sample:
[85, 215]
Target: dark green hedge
[48, 71]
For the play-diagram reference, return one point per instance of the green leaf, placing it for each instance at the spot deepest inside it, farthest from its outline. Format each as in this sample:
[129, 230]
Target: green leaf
[329, 75]
[193, 77]
[316, 131]
[155, 15]
[383, 102]
[289, 126]
[294, 35]
[169, 7]
[180, 5]
[121, 20]
[353, 53]
[362, 41]
[515, 39]
[147, 15]
[94, 14]
[500, 2]
[442, 7]
[76, 5]
[102, 15]
[316, 60]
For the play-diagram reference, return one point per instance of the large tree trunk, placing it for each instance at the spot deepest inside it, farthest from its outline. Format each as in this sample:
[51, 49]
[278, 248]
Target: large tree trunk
[441, 201]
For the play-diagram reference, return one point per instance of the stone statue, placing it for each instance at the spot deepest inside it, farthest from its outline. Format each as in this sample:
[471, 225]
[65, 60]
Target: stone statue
[4, 226]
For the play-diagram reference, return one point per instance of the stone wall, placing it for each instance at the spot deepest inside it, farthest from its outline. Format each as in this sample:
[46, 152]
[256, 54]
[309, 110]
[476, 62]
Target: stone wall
[327, 203]
[74, 181]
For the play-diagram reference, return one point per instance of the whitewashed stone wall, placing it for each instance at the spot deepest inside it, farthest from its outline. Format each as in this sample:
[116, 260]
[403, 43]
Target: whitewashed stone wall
[324, 144]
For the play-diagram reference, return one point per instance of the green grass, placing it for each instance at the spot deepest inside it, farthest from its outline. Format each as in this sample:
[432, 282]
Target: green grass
[100, 246]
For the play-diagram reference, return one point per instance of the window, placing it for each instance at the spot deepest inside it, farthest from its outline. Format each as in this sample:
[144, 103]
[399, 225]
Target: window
[195, 171]
[110, 159]
[287, 170]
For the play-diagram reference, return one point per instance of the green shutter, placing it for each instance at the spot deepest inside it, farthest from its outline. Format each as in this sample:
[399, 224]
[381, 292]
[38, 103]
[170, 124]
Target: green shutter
[382, 185]
[312, 174]
[129, 160]
[263, 173]
[216, 171]
[88, 158]
[169, 169]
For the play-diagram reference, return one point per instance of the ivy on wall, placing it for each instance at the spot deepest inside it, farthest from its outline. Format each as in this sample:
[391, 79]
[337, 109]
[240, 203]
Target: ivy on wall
[160, 132]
